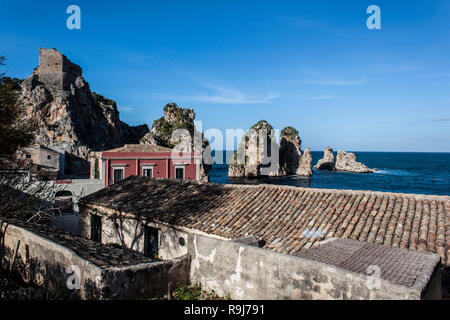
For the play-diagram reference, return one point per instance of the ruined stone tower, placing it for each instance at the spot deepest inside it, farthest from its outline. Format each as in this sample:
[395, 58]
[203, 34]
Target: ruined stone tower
[56, 71]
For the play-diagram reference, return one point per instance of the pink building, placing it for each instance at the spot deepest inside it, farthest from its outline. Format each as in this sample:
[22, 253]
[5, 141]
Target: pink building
[146, 160]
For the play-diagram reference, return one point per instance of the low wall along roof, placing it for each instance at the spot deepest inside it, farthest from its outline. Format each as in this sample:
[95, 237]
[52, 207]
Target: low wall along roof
[287, 219]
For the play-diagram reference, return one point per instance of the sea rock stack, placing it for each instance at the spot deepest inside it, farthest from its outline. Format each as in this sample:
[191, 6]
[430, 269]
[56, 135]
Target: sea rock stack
[68, 115]
[257, 154]
[291, 159]
[290, 150]
[305, 164]
[346, 161]
[327, 162]
[178, 118]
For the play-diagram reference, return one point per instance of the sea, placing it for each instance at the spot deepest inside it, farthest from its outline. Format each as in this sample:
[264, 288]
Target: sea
[403, 172]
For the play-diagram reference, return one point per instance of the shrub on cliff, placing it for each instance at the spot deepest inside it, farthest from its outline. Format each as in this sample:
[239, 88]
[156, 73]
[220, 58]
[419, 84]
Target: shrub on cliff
[15, 132]
[20, 197]
[289, 132]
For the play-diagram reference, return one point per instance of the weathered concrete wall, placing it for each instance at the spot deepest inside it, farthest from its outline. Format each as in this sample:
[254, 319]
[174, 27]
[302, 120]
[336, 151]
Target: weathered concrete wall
[130, 232]
[45, 157]
[247, 272]
[145, 280]
[81, 188]
[44, 262]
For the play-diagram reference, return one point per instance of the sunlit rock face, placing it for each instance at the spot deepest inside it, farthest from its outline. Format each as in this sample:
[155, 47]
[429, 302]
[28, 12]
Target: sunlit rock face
[259, 155]
[254, 155]
[292, 161]
[346, 161]
[327, 162]
[176, 118]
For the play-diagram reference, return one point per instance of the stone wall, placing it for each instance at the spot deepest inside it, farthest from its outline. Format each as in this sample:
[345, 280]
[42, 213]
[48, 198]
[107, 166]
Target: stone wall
[45, 262]
[247, 272]
[56, 71]
[241, 270]
[46, 157]
[81, 188]
[146, 280]
[130, 233]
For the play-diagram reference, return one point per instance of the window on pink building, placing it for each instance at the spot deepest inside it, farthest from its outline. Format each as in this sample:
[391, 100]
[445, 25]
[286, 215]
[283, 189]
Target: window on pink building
[147, 172]
[179, 173]
[118, 174]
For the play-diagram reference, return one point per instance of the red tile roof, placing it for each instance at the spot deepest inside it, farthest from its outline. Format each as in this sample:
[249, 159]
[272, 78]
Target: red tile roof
[140, 148]
[288, 219]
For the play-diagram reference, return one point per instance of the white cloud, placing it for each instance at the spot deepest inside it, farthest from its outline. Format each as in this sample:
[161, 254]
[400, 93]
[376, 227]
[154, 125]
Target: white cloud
[399, 67]
[314, 77]
[441, 120]
[335, 82]
[318, 98]
[125, 109]
[320, 26]
[224, 95]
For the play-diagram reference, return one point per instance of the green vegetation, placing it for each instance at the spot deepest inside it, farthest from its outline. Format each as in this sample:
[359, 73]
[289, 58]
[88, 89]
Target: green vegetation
[262, 124]
[14, 131]
[99, 100]
[164, 128]
[289, 131]
[13, 288]
[195, 292]
[96, 171]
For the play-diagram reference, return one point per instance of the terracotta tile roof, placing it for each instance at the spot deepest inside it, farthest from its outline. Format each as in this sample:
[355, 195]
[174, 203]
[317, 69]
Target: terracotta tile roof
[140, 148]
[288, 219]
[396, 265]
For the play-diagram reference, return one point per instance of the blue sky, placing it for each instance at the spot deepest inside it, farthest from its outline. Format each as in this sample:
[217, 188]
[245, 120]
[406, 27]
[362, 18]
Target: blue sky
[313, 65]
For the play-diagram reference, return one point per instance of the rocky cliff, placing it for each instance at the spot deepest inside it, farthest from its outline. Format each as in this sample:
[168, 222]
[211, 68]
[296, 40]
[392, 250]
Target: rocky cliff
[178, 118]
[70, 116]
[259, 155]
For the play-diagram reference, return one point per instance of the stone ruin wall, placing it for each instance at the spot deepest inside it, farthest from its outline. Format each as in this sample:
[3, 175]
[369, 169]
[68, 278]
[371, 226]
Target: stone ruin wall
[56, 71]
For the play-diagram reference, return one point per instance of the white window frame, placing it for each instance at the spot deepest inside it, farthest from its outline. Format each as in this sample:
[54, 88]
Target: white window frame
[148, 166]
[180, 167]
[118, 168]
